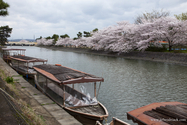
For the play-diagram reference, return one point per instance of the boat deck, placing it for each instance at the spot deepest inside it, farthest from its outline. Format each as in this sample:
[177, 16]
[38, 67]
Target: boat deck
[165, 113]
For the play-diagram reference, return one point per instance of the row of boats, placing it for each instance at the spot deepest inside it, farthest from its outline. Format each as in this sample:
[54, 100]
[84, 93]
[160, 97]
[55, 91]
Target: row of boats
[74, 90]
[77, 92]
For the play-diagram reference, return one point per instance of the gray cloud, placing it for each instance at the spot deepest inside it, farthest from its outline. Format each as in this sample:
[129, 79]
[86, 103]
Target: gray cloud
[48, 17]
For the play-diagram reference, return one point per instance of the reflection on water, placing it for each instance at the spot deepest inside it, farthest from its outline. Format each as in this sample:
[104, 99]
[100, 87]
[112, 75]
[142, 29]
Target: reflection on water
[129, 84]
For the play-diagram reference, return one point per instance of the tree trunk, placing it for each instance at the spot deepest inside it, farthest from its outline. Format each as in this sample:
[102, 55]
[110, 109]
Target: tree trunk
[170, 46]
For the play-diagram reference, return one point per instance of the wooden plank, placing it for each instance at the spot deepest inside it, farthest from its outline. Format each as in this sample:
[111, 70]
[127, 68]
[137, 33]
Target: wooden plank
[156, 116]
[178, 109]
[183, 106]
[146, 115]
[173, 114]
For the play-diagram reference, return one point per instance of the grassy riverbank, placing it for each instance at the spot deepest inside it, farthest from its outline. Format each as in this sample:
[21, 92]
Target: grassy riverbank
[21, 110]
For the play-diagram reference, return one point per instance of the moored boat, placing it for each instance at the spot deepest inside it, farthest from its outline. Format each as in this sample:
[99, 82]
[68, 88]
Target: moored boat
[67, 87]
[115, 121]
[24, 64]
[161, 113]
[8, 52]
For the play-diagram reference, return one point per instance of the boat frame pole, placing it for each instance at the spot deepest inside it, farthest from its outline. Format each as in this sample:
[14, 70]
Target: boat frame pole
[27, 68]
[98, 90]
[18, 64]
[64, 95]
[95, 89]
[27, 75]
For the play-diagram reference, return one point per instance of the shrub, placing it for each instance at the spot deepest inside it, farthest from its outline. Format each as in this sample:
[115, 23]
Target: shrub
[9, 79]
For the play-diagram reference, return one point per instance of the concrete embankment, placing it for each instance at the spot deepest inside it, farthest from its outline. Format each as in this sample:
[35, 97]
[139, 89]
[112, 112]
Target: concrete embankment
[177, 58]
[41, 104]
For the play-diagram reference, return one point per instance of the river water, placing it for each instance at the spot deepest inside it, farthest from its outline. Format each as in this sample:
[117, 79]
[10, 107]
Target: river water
[129, 83]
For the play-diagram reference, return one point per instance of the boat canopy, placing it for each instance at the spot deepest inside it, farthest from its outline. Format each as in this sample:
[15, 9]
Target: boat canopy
[27, 59]
[65, 75]
[12, 52]
[9, 49]
[161, 113]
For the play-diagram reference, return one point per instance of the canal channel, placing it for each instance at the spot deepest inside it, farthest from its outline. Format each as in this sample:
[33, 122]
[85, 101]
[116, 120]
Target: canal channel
[128, 83]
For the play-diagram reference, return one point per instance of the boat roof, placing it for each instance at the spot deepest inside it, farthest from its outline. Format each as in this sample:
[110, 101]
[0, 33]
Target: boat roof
[10, 49]
[27, 58]
[163, 113]
[65, 75]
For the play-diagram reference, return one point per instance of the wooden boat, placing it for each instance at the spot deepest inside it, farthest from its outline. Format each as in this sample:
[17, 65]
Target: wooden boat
[24, 64]
[115, 121]
[66, 87]
[162, 113]
[8, 52]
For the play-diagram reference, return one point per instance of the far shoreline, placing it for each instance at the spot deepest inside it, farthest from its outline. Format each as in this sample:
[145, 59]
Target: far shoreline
[174, 58]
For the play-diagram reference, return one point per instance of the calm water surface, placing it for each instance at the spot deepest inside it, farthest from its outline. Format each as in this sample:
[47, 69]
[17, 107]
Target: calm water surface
[129, 84]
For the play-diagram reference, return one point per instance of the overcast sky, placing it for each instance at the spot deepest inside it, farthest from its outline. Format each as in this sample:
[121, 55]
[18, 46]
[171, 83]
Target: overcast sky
[35, 18]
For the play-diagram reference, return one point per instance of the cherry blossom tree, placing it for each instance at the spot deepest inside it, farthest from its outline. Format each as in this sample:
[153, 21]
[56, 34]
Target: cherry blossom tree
[163, 29]
[45, 42]
[64, 41]
[126, 37]
[128, 40]
[111, 37]
[80, 42]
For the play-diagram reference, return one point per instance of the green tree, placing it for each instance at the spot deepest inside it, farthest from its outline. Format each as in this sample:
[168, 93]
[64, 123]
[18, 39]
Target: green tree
[5, 31]
[48, 37]
[39, 38]
[182, 16]
[55, 37]
[95, 30]
[3, 8]
[79, 35]
[64, 36]
[87, 34]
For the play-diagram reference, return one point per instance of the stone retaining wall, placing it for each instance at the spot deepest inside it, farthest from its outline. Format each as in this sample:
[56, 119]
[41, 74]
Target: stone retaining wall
[178, 58]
